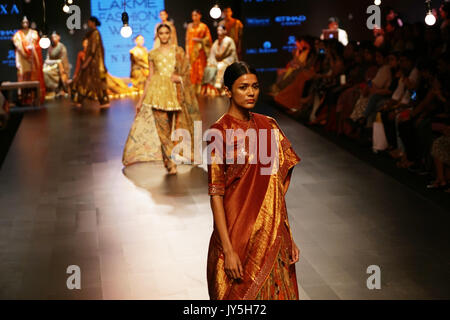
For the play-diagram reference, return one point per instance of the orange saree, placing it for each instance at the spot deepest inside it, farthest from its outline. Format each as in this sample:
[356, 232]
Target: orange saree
[291, 96]
[256, 216]
[198, 51]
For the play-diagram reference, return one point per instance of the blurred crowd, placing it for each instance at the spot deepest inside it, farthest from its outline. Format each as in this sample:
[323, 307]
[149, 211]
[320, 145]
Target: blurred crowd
[390, 93]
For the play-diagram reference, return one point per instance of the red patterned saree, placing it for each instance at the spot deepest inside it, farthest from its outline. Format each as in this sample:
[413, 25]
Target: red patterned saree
[256, 216]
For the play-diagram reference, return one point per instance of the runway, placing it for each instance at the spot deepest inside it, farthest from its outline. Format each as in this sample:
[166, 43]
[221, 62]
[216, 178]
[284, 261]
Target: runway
[138, 234]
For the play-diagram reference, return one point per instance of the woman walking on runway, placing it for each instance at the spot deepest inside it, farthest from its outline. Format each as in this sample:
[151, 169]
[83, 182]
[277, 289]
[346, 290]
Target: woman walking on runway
[252, 254]
[91, 81]
[168, 103]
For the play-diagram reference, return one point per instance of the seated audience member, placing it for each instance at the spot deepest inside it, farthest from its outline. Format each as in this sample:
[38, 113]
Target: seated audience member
[302, 58]
[382, 85]
[333, 25]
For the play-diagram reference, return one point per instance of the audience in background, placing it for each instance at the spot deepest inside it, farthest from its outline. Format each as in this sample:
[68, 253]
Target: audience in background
[400, 79]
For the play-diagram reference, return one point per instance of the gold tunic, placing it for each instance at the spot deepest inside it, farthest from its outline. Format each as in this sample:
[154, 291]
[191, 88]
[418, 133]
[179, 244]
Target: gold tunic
[162, 91]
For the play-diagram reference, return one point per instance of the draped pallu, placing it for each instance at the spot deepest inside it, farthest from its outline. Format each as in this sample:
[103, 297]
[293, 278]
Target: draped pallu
[91, 82]
[256, 218]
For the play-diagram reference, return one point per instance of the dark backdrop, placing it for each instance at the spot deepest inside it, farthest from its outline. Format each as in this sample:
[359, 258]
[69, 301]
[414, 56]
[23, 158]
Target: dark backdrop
[267, 46]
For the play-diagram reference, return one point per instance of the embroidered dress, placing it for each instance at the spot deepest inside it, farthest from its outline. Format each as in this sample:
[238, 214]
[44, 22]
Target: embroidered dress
[149, 137]
[256, 216]
[162, 91]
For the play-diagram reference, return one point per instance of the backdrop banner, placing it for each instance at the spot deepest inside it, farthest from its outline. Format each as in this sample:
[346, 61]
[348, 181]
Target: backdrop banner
[143, 14]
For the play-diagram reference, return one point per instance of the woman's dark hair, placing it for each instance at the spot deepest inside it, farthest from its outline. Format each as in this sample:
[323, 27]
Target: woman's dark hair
[235, 71]
[222, 27]
[197, 11]
[163, 25]
[164, 10]
[96, 21]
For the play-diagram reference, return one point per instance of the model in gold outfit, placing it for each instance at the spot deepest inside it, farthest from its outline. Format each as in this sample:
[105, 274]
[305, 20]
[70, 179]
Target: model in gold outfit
[168, 103]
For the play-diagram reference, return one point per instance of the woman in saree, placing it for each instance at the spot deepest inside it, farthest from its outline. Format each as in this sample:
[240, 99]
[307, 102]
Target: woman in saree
[164, 16]
[139, 63]
[223, 53]
[56, 66]
[91, 81]
[198, 45]
[28, 60]
[252, 254]
[168, 103]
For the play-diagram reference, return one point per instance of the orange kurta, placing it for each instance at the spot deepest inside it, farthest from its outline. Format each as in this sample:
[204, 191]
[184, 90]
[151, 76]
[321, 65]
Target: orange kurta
[256, 216]
[198, 51]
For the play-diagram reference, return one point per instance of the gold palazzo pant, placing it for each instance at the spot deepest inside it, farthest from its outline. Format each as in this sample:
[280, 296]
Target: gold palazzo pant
[166, 122]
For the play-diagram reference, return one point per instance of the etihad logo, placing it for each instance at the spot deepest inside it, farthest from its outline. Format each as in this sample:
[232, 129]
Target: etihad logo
[290, 20]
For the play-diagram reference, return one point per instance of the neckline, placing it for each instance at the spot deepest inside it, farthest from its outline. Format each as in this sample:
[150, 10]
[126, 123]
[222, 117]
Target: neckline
[240, 120]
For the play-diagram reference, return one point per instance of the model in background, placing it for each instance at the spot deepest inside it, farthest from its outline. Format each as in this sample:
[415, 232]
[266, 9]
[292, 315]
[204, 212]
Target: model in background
[235, 29]
[164, 16]
[28, 60]
[56, 66]
[168, 103]
[198, 45]
[252, 254]
[91, 80]
[139, 63]
[223, 54]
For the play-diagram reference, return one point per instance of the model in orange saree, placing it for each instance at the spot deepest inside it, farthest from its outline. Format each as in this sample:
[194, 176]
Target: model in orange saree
[255, 211]
[198, 44]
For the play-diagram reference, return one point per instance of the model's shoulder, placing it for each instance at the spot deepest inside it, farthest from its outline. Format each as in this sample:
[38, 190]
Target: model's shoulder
[267, 119]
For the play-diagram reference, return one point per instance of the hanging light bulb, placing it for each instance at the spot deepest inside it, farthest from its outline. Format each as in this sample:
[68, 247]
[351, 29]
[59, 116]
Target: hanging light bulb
[377, 2]
[126, 30]
[69, 1]
[215, 12]
[44, 43]
[430, 19]
[66, 8]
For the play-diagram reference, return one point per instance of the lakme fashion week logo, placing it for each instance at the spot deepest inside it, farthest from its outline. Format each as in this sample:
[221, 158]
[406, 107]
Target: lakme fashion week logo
[251, 146]
[143, 17]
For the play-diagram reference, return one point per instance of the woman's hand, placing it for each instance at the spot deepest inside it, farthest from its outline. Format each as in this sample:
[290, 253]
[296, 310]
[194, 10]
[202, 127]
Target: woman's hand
[176, 78]
[295, 254]
[233, 266]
